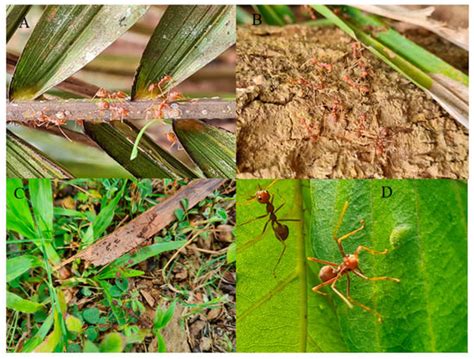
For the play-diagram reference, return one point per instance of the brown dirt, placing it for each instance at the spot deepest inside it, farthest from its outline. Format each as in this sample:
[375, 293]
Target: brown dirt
[312, 106]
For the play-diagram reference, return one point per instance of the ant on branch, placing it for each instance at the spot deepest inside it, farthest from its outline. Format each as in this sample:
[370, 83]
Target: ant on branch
[41, 119]
[117, 108]
[331, 272]
[280, 230]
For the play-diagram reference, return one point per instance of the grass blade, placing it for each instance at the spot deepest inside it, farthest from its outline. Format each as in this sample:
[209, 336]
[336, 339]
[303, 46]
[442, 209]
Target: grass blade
[212, 149]
[152, 161]
[15, 14]
[15, 302]
[25, 161]
[243, 17]
[66, 38]
[187, 38]
[17, 266]
[19, 217]
[278, 15]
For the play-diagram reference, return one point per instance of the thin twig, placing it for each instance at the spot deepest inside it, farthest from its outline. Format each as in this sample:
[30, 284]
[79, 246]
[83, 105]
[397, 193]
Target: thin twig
[87, 110]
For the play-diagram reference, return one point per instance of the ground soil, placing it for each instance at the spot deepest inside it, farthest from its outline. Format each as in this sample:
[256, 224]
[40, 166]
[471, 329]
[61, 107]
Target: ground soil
[311, 104]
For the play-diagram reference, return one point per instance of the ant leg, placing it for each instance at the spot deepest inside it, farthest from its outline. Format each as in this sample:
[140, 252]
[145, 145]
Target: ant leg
[279, 259]
[370, 250]
[254, 219]
[366, 308]
[322, 261]
[347, 235]
[319, 286]
[348, 287]
[359, 274]
[333, 287]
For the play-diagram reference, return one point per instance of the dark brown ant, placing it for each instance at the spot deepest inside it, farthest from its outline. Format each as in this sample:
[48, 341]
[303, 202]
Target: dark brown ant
[280, 230]
[331, 272]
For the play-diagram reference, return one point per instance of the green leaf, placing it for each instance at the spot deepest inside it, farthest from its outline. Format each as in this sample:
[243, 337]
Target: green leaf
[163, 316]
[117, 139]
[19, 304]
[25, 161]
[65, 39]
[53, 340]
[106, 214]
[90, 347]
[186, 38]
[15, 15]
[243, 17]
[19, 217]
[91, 333]
[232, 253]
[91, 315]
[278, 15]
[73, 324]
[212, 149]
[112, 343]
[274, 308]
[423, 226]
[19, 265]
[39, 336]
[41, 195]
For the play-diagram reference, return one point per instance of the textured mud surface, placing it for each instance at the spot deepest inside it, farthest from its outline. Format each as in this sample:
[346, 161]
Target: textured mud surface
[312, 104]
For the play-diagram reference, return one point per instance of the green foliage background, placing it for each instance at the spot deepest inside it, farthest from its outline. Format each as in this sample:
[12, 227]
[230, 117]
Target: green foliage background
[424, 227]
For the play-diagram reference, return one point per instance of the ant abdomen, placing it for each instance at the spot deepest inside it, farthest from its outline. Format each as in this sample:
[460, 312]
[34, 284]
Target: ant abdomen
[281, 231]
[327, 272]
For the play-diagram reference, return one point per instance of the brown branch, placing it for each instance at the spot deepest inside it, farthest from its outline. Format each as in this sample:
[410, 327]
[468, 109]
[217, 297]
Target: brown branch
[87, 110]
[137, 231]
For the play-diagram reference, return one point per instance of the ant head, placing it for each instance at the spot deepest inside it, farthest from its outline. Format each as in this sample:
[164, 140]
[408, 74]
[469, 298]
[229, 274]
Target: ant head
[262, 196]
[351, 261]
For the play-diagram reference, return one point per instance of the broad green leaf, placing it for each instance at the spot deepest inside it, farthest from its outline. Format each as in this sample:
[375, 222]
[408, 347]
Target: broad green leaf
[272, 310]
[116, 309]
[423, 225]
[112, 343]
[25, 161]
[17, 266]
[278, 15]
[186, 38]
[117, 139]
[15, 302]
[65, 39]
[212, 149]
[91, 315]
[15, 15]
[142, 254]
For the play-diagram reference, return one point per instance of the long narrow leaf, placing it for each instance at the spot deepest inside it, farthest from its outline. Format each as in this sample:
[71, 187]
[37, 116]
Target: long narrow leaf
[187, 38]
[15, 302]
[25, 161]
[15, 15]
[17, 266]
[278, 15]
[211, 148]
[152, 161]
[66, 38]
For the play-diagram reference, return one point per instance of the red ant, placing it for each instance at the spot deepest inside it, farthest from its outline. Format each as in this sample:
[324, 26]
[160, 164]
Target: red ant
[350, 82]
[280, 230]
[117, 109]
[60, 118]
[331, 272]
[157, 85]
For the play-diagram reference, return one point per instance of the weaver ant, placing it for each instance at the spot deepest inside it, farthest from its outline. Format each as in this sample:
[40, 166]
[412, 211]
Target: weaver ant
[280, 230]
[58, 119]
[331, 272]
[117, 109]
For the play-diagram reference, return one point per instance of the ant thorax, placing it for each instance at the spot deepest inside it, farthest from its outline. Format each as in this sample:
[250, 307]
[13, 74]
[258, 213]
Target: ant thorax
[351, 261]
[262, 196]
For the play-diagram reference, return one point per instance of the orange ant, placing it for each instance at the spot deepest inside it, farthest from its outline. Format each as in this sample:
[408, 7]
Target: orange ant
[60, 118]
[280, 230]
[331, 272]
[350, 82]
[157, 85]
[117, 109]
[323, 65]
[356, 50]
